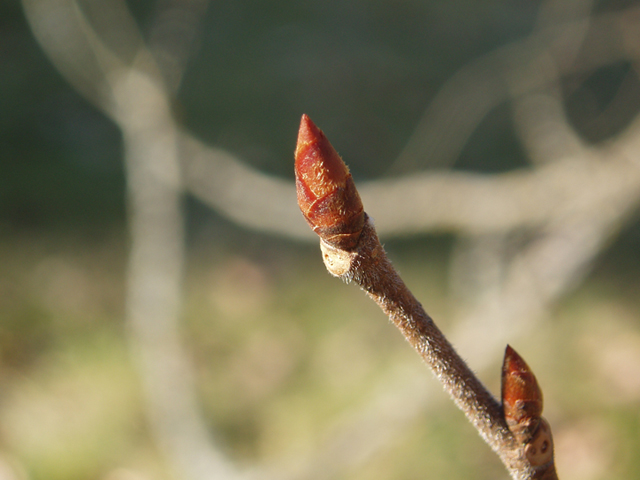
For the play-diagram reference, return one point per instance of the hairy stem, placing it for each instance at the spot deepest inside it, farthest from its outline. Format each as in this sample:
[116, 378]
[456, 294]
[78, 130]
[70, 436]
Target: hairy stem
[368, 266]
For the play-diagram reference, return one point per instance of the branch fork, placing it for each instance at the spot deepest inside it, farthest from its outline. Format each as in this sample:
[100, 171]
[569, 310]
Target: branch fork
[351, 250]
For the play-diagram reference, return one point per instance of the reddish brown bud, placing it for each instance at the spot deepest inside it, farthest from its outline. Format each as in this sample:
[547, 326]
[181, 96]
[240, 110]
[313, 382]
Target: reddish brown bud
[521, 395]
[327, 195]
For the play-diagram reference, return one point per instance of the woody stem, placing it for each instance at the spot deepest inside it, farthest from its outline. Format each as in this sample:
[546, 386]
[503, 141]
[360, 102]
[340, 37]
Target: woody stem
[368, 266]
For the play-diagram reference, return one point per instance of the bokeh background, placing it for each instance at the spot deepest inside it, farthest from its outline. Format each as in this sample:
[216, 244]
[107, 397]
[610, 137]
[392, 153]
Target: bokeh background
[164, 311]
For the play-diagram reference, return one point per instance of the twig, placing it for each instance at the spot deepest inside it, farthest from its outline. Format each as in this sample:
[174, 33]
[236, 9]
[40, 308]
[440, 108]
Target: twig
[369, 267]
[351, 251]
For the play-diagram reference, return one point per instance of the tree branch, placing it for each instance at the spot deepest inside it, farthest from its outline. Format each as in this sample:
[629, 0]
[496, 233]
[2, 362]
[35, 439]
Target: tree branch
[351, 251]
[369, 267]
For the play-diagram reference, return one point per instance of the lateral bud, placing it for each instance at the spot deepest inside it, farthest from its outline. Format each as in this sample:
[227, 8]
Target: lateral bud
[327, 195]
[521, 396]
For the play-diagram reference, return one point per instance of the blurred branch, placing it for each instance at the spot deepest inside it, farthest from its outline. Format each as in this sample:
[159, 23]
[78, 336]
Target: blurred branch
[542, 262]
[539, 60]
[238, 191]
[490, 202]
[123, 81]
[154, 296]
[461, 202]
[475, 203]
[173, 33]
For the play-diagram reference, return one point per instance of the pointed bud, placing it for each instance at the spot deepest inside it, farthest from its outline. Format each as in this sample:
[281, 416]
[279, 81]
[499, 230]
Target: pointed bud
[327, 195]
[521, 395]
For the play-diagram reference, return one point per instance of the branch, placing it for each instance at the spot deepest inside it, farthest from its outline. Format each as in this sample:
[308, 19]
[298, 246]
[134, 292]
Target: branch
[127, 86]
[351, 250]
[155, 268]
[515, 69]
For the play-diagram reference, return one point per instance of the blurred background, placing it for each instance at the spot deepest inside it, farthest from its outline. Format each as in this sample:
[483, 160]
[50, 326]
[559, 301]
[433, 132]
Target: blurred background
[164, 310]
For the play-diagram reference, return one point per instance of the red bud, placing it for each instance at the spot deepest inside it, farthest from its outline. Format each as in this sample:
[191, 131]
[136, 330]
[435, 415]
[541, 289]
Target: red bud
[521, 395]
[327, 195]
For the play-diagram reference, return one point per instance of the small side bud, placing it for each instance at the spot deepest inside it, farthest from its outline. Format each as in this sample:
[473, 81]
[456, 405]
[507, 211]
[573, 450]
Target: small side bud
[327, 195]
[521, 396]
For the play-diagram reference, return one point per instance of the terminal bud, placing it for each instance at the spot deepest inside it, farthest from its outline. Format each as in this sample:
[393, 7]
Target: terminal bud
[327, 195]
